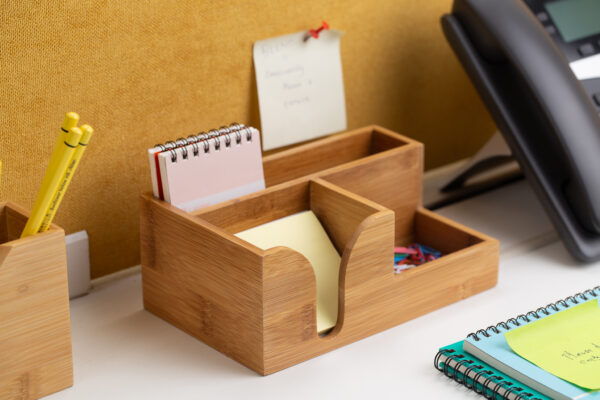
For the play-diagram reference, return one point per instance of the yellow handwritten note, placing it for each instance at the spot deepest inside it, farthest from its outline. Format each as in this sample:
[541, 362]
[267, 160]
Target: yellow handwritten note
[566, 344]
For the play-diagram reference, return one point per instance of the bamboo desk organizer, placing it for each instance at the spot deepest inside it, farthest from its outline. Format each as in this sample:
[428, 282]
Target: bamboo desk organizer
[258, 307]
[35, 331]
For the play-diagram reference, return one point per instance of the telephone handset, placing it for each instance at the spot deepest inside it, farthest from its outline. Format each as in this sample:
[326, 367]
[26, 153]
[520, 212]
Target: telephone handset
[519, 64]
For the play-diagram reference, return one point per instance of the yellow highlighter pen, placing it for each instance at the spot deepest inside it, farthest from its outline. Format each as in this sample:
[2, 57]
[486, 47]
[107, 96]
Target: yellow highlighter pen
[87, 132]
[53, 178]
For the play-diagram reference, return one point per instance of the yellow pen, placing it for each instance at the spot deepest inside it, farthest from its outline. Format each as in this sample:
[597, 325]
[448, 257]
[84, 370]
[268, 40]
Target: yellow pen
[71, 120]
[53, 177]
[87, 132]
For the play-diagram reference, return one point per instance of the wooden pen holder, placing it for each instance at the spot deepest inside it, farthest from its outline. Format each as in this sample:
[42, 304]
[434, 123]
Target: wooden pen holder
[35, 333]
[259, 306]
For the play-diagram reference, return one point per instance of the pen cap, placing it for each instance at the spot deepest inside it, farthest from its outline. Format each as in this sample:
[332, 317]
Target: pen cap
[72, 138]
[87, 132]
[71, 120]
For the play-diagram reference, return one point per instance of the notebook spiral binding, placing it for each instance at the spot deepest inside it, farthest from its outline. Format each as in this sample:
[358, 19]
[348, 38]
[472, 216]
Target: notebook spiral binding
[535, 315]
[472, 374]
[204, 138]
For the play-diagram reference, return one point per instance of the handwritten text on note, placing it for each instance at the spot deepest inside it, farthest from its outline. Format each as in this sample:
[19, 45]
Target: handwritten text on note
[566, 344]
[300, 87]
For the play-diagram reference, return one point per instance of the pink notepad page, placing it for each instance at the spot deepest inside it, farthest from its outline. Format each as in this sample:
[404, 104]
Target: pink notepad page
[212, 177]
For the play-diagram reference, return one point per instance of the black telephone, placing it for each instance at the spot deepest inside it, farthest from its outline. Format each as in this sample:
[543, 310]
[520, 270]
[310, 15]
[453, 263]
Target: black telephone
[536, 65]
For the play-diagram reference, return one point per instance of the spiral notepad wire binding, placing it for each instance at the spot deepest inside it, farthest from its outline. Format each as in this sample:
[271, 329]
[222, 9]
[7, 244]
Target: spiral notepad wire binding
[204, 138]
[227, 161]
[537, 314]
[214, 137]
[478, 378]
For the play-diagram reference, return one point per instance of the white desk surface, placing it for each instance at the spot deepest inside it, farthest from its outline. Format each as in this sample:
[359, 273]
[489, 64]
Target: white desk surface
[121, 351]
[511, 214]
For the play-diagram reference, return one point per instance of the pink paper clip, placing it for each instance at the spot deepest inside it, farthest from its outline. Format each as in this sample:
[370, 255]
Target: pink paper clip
[404, 250]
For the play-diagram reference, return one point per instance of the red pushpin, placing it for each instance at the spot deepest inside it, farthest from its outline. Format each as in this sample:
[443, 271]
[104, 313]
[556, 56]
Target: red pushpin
[315, 32]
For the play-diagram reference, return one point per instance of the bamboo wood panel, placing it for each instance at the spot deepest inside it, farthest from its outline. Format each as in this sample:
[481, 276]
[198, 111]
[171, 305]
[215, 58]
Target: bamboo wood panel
[393, 179]
[339, 212]
[35, 331]
[205, 306]
[145, 72]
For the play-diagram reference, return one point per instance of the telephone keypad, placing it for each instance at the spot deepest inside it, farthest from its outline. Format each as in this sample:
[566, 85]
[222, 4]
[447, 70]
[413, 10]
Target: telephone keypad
[550, 29]
[586, 49]
[542, 17]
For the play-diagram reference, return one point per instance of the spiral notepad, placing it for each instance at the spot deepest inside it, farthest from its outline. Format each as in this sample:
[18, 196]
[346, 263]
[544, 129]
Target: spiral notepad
[207, 168]
[480, 377]
[490, 346]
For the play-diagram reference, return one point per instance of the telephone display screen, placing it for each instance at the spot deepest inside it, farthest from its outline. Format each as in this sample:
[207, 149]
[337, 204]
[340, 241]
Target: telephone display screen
[575, 19]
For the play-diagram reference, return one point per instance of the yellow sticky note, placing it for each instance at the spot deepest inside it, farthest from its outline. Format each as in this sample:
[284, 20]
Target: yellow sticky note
[566, 344]
[304, 233]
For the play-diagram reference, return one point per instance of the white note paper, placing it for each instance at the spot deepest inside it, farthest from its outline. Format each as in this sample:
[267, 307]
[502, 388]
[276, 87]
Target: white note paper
[300, 87]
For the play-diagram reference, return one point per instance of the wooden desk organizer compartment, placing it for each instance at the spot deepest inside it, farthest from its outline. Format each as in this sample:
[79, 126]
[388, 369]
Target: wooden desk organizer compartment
[259, 306]
[35, 332]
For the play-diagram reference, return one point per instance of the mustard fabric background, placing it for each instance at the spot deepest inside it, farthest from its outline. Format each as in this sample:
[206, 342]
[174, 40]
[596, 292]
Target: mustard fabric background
[142, 72]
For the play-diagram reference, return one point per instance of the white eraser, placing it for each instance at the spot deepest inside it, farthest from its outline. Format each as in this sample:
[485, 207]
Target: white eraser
[78, 264]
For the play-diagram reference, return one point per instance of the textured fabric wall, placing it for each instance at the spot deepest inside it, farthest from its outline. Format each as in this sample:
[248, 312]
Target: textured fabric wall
[142, 72]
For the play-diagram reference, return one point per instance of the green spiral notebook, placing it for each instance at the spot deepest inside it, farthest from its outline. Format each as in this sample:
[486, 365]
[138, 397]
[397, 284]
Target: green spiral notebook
[480, 377]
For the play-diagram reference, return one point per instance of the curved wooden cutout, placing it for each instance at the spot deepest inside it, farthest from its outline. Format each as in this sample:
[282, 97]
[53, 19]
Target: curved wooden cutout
[289, 307]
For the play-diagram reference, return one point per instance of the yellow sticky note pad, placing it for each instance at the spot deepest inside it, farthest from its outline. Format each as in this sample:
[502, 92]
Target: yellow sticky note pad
[304, 233]
[566, 344]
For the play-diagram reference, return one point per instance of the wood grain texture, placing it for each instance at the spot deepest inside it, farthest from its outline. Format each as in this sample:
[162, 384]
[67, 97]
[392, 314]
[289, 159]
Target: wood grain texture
[202, 280]
[395, 160]
[145, 72]
[288, 337]
[339, 211]
[442, 233]
[264, 302]
[392, 178]
[35, 331]
[289, 308]
[316, 156]
[257, 208]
